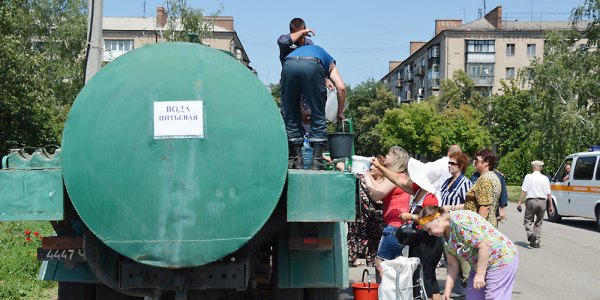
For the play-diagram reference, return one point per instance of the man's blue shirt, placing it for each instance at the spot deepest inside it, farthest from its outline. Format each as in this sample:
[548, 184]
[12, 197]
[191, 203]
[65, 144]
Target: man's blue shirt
[286, 46]
[317, 52]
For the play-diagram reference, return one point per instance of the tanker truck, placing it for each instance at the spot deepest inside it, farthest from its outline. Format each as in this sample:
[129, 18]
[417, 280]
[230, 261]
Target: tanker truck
[171, 182]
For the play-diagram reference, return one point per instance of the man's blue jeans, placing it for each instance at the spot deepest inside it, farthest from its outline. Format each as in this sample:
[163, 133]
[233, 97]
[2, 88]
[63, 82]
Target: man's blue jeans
[304, 77]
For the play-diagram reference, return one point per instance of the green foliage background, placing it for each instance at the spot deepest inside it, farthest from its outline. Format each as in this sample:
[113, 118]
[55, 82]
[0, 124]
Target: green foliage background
[42, 47]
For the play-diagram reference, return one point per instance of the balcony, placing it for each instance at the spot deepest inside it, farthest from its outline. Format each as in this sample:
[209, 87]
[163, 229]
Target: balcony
[420, 70]
[433, 83]
[433, 61]
[481, 57]
[486, 81]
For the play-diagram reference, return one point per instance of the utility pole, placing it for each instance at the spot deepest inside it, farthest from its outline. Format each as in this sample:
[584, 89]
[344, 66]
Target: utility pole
[95, 47]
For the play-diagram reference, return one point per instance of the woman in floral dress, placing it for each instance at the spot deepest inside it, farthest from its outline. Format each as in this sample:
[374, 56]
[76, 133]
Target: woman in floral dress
[492, 256]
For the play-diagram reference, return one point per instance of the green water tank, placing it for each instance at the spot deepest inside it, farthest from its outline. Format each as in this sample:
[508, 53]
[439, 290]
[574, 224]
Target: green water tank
[174, 155]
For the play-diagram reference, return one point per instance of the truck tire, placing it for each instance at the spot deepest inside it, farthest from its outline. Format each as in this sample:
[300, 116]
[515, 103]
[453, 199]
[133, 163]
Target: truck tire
[76, 291]
[322, 294]
[554, 216]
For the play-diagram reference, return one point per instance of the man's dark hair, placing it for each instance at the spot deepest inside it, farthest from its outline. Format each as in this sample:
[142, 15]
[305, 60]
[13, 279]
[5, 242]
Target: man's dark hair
[296, 24]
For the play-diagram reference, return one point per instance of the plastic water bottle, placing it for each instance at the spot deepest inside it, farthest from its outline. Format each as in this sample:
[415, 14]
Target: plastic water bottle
[307, 154]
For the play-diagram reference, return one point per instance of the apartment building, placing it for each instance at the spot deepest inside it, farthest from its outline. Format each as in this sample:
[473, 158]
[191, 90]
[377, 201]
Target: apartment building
[489, 49]
[123, 34]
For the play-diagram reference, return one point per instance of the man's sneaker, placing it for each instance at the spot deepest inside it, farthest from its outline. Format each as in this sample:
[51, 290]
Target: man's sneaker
[535, 245]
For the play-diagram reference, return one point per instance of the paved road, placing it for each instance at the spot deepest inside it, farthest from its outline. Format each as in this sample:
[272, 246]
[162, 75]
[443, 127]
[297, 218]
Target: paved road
[567, 266]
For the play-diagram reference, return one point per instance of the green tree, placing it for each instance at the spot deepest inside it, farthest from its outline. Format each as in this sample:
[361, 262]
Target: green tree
[186, 24]
[589, 11]
[42, 47]
[565, 86]
[511, 113]
[423, 131]
[275, 89]
[517, 163]
[458, 91]
[368, 102]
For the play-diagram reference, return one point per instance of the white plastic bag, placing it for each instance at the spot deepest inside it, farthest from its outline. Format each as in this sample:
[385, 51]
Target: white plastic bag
[397, 280]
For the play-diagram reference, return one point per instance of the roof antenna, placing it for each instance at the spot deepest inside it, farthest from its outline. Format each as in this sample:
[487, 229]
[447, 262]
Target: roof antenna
[144, 8]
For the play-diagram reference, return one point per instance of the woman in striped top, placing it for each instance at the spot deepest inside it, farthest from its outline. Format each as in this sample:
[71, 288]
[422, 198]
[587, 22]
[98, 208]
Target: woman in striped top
[455, 188]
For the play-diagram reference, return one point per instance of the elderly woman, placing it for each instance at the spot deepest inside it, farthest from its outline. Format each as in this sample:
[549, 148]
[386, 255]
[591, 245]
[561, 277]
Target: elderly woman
[453, 193]
[492, 256]
[483, 197]
[455, 188]
[395, 202]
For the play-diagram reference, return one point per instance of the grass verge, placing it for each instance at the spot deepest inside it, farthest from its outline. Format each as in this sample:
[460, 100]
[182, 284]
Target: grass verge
[514, 191]
[19, 265]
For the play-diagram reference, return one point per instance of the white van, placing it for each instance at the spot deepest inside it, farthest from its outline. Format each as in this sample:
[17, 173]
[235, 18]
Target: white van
[576, 188]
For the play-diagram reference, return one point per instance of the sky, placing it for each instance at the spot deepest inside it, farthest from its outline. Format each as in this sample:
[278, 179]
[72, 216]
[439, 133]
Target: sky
[362, 35]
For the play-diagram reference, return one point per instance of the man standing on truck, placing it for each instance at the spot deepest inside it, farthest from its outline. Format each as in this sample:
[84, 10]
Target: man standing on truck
[303, 74]
[536, 190]
[298, 37]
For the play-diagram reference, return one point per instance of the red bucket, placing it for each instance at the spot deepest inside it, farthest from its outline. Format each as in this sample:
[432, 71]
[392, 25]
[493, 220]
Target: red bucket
[365, 290]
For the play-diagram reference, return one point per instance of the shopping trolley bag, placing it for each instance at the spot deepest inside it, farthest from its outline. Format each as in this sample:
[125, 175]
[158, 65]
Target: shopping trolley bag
[397, 280]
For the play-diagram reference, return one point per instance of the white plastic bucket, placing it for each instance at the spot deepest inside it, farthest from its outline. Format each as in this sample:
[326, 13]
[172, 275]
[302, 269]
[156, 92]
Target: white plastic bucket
[331, 106]
[360, 164]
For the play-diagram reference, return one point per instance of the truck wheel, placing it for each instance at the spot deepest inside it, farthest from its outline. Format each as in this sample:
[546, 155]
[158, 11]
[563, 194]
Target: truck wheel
[554, 216]
[76, 291]
[322, 294]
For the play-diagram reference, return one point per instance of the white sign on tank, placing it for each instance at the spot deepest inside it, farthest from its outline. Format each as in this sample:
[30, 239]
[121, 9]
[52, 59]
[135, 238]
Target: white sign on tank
[178, 120]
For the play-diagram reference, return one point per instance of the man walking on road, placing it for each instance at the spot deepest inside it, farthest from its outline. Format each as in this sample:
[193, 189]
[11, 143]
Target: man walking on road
[536, 190]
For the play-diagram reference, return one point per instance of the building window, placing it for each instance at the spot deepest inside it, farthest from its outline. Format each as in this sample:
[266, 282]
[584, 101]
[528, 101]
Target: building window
[433, 51]
[510, 49]
[481, 51]
[530, 50]
[529, 73]
[116, 48]
[481, 46]
[433, 77]
[482, 74]
[433, 55]
[118, 45]
[510, 73]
